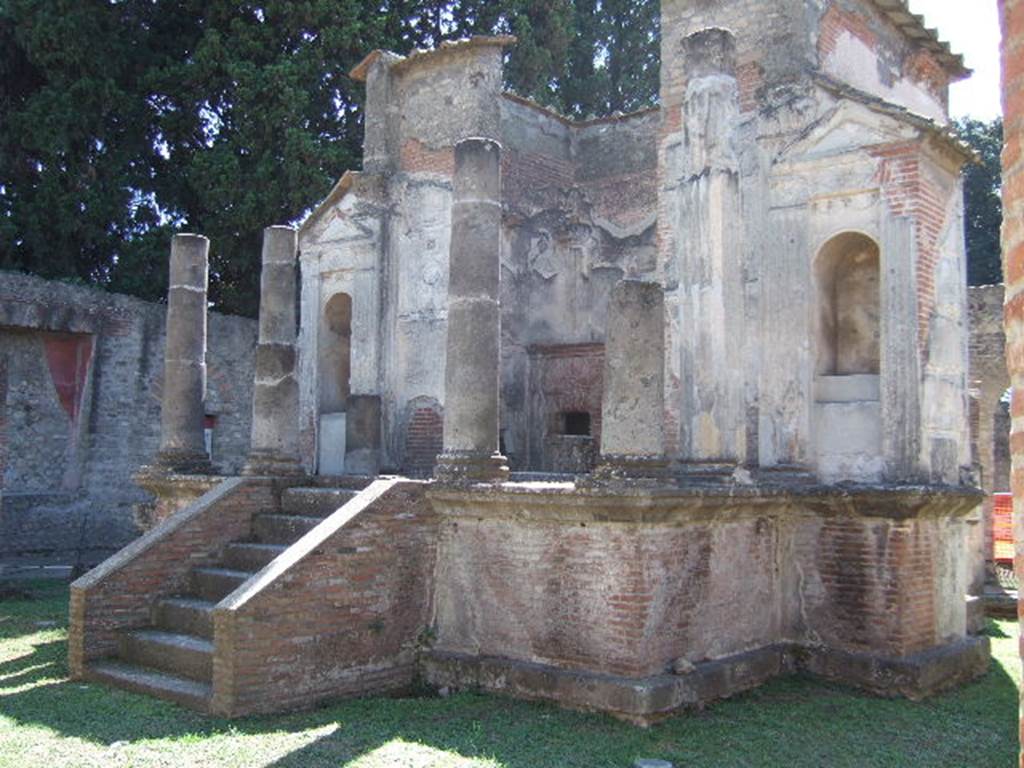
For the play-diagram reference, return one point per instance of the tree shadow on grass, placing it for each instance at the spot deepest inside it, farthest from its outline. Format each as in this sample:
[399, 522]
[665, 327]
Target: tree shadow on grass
[992, 629]
[44, 661]
[793, 722]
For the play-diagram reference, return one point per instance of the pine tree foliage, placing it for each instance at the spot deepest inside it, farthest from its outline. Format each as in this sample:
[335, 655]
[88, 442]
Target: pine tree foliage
[983, 207]
[124, 121]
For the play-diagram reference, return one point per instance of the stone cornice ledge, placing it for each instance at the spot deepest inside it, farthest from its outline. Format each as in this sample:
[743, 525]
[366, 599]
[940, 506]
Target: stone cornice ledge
[566, 503]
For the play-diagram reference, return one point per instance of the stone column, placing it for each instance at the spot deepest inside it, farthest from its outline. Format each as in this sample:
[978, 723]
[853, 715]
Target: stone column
[633, 402]
[708, 259]
[473, 360]
[1012, 22]
[182, 448]
[275, 397]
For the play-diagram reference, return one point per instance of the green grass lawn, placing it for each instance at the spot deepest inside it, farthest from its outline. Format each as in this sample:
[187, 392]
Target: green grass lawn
[48, 721]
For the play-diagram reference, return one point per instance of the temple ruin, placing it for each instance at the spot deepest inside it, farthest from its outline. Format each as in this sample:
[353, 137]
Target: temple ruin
[629, 414]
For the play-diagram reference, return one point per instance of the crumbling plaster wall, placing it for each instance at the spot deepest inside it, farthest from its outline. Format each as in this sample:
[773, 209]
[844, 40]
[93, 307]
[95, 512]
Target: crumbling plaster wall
[43, 441]
[71, 452]
[779, 45]
[604, 595]
[860, 46]
[814, 160]
[628, 586]
[578, 204]
[579, 216]
[588, 203]
[945, 411]
[988, 376]
[340, 253]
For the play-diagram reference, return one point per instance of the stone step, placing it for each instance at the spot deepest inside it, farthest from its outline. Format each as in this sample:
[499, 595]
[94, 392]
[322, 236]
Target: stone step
[283, 529]
[215, 584]
[314, 502]
[181, 690]
[349, 482]
[250, 556]
[186, 615]
[181, 655]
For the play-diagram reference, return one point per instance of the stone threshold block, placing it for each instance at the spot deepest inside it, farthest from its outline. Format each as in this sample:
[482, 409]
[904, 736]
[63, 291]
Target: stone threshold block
[470, 467]
[915, 677]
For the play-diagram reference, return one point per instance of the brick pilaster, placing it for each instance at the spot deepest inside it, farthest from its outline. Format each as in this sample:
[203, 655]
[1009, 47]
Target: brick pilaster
[1012, 21]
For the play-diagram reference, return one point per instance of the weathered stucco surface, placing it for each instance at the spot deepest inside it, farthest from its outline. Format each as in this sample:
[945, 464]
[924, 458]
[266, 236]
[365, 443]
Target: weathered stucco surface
[80, 390]
[772, 143]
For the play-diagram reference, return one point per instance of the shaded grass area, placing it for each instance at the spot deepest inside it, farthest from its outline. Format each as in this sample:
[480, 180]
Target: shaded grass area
[47, 720]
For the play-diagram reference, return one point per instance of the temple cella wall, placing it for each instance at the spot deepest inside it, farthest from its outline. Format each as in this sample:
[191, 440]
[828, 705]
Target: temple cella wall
[771, 178]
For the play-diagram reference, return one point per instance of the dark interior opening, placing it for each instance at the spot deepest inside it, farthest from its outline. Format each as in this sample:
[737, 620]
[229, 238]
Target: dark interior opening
[576, 423]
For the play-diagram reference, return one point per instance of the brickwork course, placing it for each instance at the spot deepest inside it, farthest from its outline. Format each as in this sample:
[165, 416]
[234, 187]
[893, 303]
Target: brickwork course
[1012, 22]
[80, 375]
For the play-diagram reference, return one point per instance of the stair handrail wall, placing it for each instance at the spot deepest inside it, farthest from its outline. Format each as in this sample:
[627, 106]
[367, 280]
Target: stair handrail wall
[342, 611]
[119, 593]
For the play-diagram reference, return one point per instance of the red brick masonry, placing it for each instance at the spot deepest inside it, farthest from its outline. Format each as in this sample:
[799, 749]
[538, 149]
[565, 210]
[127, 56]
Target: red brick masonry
[689, 595]
[342, 612]
[1012, 22]
[631, 601]
[120, 592]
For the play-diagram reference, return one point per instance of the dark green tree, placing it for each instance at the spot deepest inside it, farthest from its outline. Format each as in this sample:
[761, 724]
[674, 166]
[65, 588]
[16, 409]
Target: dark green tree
[983, 208]
[586, 58]
[615, 62]
[256, 122]
[123, 122]
[74, 133]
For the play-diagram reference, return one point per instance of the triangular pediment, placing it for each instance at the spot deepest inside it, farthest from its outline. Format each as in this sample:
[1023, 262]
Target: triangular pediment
[318, 218]
[850, 127]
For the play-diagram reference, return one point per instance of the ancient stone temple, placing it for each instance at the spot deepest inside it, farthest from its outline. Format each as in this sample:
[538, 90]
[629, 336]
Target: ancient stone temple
[629, 413]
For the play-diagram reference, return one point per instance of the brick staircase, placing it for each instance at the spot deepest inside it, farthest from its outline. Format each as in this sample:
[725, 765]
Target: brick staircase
[173, 657]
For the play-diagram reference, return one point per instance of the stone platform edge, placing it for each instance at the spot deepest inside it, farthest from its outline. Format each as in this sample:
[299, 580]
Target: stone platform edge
[648, 700]
[567, 502]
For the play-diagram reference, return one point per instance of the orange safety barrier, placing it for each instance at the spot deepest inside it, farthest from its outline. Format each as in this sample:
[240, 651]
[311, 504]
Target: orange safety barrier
[1002, 527]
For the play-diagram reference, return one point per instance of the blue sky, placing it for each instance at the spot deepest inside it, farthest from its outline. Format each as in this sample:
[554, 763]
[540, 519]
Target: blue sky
[972, 28]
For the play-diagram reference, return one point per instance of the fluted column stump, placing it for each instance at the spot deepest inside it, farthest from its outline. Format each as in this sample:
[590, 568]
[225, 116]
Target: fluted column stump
[182, 447]
[472, 370]
[709, 259]
[633, 402]
[274, 449]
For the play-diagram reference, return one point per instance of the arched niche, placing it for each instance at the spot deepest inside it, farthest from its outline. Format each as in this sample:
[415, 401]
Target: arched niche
[849, 306]
[847, 420]
[335, 353]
